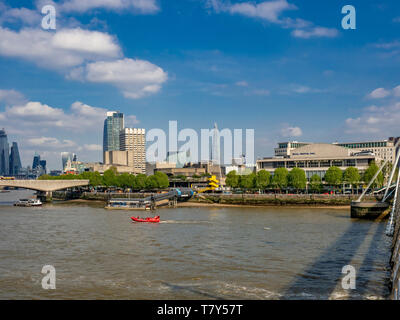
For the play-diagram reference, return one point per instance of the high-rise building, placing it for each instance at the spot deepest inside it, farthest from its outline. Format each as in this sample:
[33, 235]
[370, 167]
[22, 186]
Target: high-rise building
[43, 168]
[15, 160]
[65, 156]
[36, 161]
[4, 153]
[113, 124]
[133, 141]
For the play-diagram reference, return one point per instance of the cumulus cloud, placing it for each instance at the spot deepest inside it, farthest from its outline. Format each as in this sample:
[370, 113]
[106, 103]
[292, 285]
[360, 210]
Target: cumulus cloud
[136, 78]
[383, 120]
[63, 49]
[11, 96]
[140, 6]
[84, 55]
[91, 147]
[19, 15]
[272, 11]
[289, 131]
[51, 143]
[381, 93]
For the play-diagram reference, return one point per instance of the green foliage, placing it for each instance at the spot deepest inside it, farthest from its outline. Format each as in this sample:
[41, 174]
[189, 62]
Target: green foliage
[141, 181]
[110, 178]
[263, 179]
[315, 183]
[352, 176]
[151, 182]
[297, 178]
[333, 176]
[369, 174]
[232, 179]
[280, 178]
[248, 181]
[162, 179]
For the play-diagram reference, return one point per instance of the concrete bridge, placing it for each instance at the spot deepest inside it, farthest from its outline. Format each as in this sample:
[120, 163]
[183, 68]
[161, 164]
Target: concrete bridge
[44, 185]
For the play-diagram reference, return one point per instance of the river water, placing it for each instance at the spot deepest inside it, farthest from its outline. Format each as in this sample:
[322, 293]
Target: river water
[194, 253]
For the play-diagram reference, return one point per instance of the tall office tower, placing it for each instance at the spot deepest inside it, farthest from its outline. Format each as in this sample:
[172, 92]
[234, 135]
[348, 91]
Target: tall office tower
[42, 164]
[65, 156]
[15, 160]
[4, 153]
[215, 155]
[113, 124]
[36, 161]
[133, 141]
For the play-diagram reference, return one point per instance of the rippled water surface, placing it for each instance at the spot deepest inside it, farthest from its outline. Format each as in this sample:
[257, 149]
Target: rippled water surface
[194, 253]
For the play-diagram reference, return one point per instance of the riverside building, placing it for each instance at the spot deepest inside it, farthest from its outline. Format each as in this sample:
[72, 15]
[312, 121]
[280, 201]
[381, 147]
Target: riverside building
[317, 158]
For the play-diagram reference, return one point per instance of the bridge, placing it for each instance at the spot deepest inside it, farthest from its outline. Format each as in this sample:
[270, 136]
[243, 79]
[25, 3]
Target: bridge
[389, 202]
[44, 185]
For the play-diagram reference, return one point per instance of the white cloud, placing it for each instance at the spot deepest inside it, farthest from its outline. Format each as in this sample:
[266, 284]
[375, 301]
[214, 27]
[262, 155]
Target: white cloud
[51, 143]
[268, 10]
[136, 78]
[84, 55]
[22, 15]
[272, 12]
[63, 49]
[383, 121]
[315, 32]
[11, 96]
[288, 131]
[141, 6]
[396, 91]
[380, 93]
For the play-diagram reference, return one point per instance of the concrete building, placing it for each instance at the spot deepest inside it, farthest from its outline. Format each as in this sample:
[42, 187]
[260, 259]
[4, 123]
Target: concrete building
[133, 141]
[383, 149]
[317, 158]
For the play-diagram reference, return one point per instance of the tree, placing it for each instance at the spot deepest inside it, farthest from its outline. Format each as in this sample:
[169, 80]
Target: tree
[369, 174]
[110, 178]
[248, 181]
[263, 179]
[232, 179]
[151, 182]
[162, 179]
[297, 178]
[351, 176]
[316, 183]
[333, 176]
[280, 178]
[140, 181]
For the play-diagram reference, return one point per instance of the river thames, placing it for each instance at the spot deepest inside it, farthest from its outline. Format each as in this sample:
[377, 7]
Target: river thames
[194, 253]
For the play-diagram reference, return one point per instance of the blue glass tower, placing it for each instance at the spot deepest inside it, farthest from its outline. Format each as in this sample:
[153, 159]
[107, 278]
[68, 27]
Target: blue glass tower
[4, 153]
[15, 160]
[113, 124]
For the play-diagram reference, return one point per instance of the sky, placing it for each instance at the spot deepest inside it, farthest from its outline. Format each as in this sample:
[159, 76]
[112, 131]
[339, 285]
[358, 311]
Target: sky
[285, 68]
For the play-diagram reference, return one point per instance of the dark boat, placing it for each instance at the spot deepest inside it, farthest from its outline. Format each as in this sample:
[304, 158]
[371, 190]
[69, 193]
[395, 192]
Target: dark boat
[156, 219]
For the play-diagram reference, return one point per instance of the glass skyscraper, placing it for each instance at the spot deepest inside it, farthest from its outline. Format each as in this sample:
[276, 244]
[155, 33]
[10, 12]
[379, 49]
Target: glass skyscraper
[113, 124]
[15, 160]
[36, 161]
[4, 153]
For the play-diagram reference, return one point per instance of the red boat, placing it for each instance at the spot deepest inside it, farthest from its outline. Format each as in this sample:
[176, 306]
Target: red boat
[153, 220]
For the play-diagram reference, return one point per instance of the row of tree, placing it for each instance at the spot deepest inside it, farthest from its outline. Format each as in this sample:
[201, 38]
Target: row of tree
[111, 178]
[296, 178]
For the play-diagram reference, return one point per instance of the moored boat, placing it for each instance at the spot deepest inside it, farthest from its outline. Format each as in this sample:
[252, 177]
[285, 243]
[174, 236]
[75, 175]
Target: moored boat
[28, 203]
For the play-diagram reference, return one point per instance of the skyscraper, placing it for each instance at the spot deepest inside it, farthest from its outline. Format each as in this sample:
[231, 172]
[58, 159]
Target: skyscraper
[36, 161]
[15, 160]
[133, 141]
[4, 153]
[113, 124]
[43, 166]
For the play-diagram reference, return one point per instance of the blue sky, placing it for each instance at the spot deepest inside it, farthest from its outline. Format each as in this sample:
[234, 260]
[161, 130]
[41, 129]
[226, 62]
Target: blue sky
[283, 67]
